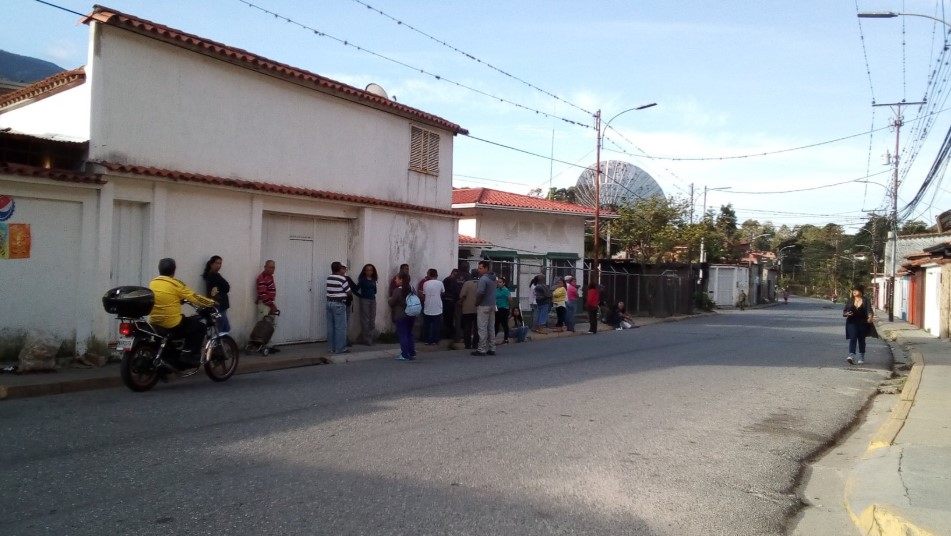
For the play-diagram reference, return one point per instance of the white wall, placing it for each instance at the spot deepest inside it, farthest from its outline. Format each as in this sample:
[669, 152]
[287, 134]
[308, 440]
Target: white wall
[191, 223]
[65, 113]
[531, 232]
[54, 288]
[155, 104]
[932, 294]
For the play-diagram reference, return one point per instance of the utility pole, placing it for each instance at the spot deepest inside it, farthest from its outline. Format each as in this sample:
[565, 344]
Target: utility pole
[596, 265]
[890, 287]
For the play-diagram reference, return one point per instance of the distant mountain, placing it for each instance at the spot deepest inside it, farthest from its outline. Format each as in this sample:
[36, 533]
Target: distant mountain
[24, 69]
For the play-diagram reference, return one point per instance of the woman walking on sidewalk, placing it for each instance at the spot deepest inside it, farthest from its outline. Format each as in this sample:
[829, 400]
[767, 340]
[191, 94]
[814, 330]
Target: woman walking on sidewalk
[858, 315]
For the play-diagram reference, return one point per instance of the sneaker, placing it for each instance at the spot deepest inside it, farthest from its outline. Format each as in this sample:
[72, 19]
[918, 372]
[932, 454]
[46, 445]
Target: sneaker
[478, 353]
[860, 362]
[618, 329]
[490, 352]
[344, 351]
[851, 359]
[273, 349]
[401, 357]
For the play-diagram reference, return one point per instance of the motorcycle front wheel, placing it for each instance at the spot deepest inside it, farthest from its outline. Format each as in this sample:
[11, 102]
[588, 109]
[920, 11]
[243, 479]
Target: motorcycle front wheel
[224, 359]
[138, 369]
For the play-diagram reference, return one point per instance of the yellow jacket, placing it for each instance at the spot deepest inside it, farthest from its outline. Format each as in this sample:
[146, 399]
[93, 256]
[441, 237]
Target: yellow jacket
[559, 296]
[169, 293]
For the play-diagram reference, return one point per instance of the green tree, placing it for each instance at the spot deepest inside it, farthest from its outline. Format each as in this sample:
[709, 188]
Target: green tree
[562, 194]
[650, 230]
[913, 227]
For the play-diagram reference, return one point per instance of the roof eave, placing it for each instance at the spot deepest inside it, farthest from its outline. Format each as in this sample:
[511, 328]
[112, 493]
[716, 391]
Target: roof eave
[529, 209]
[253, 62]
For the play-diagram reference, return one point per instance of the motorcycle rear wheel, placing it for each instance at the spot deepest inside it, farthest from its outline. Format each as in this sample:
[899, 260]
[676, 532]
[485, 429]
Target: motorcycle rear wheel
[224, 359]
[138, 368]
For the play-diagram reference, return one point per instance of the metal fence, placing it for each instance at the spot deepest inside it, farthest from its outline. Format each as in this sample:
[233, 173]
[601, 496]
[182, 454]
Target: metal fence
[647, 290]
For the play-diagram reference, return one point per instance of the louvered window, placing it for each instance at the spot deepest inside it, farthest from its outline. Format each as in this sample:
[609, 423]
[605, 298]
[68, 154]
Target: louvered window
[424, 151]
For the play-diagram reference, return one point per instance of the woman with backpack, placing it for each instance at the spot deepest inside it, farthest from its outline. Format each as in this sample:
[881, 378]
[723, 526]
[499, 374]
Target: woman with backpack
[403, 321]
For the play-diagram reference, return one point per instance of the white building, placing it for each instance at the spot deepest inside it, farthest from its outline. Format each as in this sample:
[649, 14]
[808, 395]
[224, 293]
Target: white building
[523, 235]
[194, 148]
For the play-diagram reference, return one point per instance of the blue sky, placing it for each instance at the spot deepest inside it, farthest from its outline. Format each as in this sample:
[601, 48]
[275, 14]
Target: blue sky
[729, 78]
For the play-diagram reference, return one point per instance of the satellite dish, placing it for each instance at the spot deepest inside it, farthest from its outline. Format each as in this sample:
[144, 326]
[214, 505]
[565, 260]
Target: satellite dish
[377, 90]
[621, 183]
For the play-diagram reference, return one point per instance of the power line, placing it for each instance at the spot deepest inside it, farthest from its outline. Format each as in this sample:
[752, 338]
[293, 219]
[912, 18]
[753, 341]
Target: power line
[850, 181]
[62, 8]
[770, 153]
[471, 57]
[441, 78]
[504, 146]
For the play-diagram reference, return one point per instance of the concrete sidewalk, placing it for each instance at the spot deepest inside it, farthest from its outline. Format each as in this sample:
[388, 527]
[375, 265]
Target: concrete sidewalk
[68, 379]
[902, 484]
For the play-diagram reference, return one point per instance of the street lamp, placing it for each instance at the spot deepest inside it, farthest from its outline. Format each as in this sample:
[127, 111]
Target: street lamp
[597, 181]
[781, 250]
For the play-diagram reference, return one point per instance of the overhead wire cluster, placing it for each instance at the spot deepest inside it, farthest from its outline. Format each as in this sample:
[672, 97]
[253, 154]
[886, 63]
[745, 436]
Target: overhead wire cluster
[472, 57]
[934, 98]
[348, 43]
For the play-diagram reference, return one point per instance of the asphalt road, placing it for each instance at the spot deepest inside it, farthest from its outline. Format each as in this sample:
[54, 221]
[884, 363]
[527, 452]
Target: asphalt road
[693, 427]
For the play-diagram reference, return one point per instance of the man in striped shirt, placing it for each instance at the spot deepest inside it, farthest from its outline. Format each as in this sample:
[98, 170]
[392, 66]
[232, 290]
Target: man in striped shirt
[338, 290]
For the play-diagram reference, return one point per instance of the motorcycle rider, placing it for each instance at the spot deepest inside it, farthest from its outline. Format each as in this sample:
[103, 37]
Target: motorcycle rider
[167, 312]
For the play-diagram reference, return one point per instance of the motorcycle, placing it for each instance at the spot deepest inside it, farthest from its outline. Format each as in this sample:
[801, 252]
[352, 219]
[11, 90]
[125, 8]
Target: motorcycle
[150, 352]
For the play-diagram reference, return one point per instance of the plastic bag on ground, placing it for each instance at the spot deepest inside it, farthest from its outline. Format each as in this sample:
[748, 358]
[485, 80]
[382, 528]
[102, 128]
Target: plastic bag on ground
[39, 352]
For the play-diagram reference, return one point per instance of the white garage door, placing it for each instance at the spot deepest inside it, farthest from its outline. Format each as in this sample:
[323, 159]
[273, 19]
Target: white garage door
[302, 248]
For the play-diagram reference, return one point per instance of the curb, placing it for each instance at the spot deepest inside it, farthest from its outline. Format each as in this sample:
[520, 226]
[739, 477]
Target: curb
[877, 515]
[8, 392]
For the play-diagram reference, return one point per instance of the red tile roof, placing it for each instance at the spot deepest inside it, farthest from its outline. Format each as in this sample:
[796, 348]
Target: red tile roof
[486, 197]
[52, 174]
[270, 188]
[244, 58]
[45, 88]
[465, 239]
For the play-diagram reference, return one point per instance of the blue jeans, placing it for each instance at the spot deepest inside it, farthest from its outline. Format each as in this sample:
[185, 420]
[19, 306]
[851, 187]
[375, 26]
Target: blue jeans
[571, 309]
[856, 332]
[224, 326]
[337, 326]
[404, 332]
[432, 324]
[541, 315]
[520, 333]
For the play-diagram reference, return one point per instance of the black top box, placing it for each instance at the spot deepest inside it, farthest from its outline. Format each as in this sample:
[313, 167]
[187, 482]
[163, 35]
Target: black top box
[129, 302]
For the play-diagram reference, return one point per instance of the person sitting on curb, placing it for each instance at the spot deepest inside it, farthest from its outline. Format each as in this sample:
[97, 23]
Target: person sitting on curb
[619, 319]
[519, 330]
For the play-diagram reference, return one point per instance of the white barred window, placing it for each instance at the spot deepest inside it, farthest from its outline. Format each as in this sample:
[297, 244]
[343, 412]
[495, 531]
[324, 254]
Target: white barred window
[424, 151]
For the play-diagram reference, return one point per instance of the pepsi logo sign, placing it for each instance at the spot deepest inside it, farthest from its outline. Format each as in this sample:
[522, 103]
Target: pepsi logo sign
[7, 206]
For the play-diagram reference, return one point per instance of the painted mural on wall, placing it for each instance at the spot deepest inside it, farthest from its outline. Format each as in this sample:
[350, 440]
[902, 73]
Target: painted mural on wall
[14, 237]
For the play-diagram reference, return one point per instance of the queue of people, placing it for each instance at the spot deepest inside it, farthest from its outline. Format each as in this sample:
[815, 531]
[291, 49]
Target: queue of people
[472, 307]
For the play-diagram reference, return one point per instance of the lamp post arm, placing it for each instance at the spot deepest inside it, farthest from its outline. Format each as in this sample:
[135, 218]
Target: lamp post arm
[893, 14]
[599, 130]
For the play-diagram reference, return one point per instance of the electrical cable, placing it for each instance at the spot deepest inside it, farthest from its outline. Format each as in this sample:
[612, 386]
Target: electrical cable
[441, 78]
[471, 57]
[62, 8]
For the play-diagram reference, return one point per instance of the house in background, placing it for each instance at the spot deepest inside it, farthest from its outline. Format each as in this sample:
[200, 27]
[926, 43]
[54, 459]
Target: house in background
[173, 145]
[926, 288]
[906, 245]
[529, 235]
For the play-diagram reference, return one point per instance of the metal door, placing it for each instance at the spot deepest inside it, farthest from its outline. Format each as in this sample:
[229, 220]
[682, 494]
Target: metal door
[129, 247]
